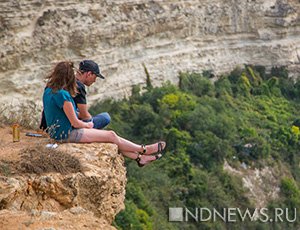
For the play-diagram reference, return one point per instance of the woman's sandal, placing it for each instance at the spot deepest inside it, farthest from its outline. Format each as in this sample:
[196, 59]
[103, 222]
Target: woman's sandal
[138, 159]
[157, 157]
[159, 148]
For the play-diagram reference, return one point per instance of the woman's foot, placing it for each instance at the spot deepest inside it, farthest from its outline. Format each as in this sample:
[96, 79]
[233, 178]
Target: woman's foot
[154, 148]
[143, 160]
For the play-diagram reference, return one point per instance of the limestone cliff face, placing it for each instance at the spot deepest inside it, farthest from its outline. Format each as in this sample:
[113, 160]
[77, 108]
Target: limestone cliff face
[121, 35]
[76, 186]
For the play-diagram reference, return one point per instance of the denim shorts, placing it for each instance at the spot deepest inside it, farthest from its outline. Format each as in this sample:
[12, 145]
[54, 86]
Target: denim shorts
[75, 135]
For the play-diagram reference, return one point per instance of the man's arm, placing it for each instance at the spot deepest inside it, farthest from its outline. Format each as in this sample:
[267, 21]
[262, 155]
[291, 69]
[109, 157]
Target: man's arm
[69, 111]
[83, 112]
[80, 100]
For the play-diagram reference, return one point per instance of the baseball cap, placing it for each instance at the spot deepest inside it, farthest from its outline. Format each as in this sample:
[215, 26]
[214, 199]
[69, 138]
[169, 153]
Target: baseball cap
[89, 65]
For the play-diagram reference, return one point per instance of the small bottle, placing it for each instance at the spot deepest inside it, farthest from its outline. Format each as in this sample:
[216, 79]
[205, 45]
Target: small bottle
[16, 132]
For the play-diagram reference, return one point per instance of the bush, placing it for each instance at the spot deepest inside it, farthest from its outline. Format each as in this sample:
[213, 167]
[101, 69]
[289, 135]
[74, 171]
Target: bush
[196, 84]
[223, 87]
[291, 192]
[133, 218]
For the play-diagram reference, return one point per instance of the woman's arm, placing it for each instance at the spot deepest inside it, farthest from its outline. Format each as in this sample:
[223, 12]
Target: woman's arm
[75, 122]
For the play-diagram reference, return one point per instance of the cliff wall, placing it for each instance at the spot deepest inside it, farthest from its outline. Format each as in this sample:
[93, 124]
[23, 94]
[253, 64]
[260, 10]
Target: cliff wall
[122, 35]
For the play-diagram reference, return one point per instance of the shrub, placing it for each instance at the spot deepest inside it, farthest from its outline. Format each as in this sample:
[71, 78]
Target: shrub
[196, 84]
[291, 192]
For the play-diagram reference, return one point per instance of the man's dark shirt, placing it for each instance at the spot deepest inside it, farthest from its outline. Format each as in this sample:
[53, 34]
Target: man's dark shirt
[80, 97]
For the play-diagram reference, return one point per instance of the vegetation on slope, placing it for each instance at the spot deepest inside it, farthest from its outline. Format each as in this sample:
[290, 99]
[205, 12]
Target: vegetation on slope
[246, 116]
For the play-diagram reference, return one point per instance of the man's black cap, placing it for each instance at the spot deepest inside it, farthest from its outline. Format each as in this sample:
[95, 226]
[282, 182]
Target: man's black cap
[89, 65]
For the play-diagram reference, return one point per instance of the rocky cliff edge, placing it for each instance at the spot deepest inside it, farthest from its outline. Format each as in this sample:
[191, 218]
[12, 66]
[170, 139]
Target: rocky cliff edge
[74, 186]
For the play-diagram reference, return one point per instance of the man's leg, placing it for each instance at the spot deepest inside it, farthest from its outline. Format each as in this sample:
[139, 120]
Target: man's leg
[101, 120]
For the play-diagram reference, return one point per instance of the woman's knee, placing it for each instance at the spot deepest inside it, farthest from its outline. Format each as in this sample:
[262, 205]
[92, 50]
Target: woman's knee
[113, 136]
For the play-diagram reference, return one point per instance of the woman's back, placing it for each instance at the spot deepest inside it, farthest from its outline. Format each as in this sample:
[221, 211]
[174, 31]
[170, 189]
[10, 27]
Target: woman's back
[57, 121]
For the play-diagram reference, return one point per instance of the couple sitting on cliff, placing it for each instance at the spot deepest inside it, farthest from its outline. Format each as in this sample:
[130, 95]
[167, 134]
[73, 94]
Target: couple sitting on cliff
[67, 119]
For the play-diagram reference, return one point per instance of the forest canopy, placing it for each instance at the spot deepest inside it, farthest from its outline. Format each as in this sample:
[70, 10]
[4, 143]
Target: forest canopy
[249, 117]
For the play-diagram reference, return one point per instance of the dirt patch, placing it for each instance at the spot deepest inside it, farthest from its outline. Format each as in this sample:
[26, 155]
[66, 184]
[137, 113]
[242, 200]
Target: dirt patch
[43, 160]
[30, 155]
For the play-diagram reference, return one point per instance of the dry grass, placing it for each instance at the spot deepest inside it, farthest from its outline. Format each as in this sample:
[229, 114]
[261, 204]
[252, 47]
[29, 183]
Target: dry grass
[27, 115]
[40, 160]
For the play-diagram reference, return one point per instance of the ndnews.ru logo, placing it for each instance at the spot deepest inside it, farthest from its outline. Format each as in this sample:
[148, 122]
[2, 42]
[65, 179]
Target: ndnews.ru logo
[230, 215]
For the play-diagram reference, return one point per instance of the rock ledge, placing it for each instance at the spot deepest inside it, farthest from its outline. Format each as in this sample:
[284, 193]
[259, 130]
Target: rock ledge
[84, 190]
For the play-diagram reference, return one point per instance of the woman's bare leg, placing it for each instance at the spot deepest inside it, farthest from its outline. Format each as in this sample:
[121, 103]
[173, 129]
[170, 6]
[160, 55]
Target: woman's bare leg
[144, 158]
[131, 155]
[96, 135]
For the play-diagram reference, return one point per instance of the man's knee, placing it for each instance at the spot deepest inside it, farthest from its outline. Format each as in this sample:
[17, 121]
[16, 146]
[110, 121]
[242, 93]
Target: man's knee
[106, 117]
[101, 120]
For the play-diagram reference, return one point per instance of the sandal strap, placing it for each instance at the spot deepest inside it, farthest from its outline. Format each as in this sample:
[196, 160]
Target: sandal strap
[138, 158]
[144, 149]
[159, 147]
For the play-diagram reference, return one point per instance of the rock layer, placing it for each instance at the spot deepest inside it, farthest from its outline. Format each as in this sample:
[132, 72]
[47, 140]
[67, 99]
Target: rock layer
[166, 36]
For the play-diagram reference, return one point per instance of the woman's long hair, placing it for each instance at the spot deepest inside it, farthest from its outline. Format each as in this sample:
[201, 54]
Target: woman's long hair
[63, 77]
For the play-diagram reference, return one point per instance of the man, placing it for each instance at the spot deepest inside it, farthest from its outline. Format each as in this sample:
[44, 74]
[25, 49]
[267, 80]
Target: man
[86, 76]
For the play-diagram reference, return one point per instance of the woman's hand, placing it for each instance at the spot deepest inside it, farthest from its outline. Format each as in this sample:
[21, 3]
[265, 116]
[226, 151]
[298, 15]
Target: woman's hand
[75, 122]
[89, 125]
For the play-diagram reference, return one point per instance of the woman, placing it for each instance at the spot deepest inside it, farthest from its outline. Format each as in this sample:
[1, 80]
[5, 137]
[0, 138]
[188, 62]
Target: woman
[64, 125]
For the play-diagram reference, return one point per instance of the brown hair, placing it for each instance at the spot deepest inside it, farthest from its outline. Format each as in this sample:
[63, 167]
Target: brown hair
[63, 77]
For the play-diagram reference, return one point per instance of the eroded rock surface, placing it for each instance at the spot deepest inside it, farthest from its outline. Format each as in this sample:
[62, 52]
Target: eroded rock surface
[167, 36]
[75, 186]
